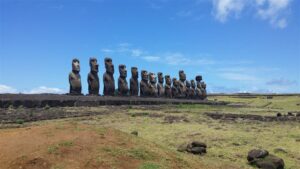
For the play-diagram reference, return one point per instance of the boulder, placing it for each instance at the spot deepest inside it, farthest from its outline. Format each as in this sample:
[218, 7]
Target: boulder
[262, 159]
[194, 147]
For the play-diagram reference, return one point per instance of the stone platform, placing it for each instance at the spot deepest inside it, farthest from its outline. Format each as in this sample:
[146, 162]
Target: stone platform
[55, 100]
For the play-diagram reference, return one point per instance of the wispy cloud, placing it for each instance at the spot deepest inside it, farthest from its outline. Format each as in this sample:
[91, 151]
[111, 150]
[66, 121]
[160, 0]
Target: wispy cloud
[44, 89]
[238, 77]
[281, 82]
[180, 59]
[106, 50]
[274, 11]
[7, 89]
[151, 58]
[38, 90]
[222, 9]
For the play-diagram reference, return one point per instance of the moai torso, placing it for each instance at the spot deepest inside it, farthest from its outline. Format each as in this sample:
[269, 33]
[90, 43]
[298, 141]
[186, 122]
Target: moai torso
[182, 91]
[203, 90]
[144, 84]
[75, 79]
[160, 86]
[168, 88]
[108, 78]
[192, 89]
[152, 85]
[188, 89]
[122, 82]
[134, 84]
[93, 78]
[175, 88]
[198, 89]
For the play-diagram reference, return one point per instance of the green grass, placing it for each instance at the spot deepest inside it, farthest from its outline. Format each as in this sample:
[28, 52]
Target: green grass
[149, 166]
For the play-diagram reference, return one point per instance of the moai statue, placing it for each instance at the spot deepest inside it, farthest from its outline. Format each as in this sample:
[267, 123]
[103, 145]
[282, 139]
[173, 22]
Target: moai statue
[160, 85]
[203, 90]
[93, 78]
[192, 90]
[108, 78]
[181, 84]
[168, 88]
[188, 89]
[152, 85]
[144, 83]
[134, 84]
[74, 78]
[175, 88]
[198, 87]
[122, 82]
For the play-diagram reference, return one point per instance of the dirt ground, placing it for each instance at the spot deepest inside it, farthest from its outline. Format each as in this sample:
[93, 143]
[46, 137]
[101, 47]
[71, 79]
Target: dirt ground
[71, 145]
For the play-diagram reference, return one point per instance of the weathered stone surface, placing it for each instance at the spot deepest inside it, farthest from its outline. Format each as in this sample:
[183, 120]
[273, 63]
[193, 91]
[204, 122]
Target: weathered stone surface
[74, 78]
[134, 84]
[152, 85]
[198, 87]
[182, 90]
[188, 89]
[256, 153]
[203, 90]
[144, 84]
[192, 90]
[122, 82]
[262, 159]
[175, 88]
[168, 87]
[108, 78]
[160, 85]
[194, 147]
[93, 78]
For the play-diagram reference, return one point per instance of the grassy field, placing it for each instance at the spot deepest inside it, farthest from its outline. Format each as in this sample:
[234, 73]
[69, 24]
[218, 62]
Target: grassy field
[161, 129]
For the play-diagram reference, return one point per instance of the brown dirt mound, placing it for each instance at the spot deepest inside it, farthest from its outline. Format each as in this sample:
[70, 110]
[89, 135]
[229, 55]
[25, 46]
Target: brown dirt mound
[72, 145]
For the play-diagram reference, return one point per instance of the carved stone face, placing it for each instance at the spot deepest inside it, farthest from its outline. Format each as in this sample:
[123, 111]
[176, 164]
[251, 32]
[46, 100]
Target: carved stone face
[188, 84]
[123, 71]
[182, 75]
[152, 78]
[193, 84]
[198, 78]
[109, 66]
[134, 73]
[168, 80]
[199, 85]
[160, 77]
[75, 65]
[94, 65]
[174, 80]
[144, 75]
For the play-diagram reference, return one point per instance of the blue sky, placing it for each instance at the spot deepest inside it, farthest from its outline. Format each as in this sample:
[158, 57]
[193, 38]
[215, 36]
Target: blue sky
[236, 45]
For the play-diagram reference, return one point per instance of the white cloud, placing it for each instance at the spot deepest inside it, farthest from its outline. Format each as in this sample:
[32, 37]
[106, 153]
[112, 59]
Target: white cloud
[180, 59]
[7, 89]
[273, 11]
[106, 50]
[224, 8]
[44, 89]
[136, 52]
[238, 76]
[151, 58]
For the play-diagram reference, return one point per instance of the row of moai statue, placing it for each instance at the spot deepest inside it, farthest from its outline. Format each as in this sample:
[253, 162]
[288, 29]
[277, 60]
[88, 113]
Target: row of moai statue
[148, 86]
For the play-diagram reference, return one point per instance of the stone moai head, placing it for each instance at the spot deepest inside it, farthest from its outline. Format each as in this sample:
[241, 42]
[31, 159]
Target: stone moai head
[182, 76]
[94, 65]
[168, 80]
[75, 65]
[193, 85]
[123, 71]
[144, 75]
[160, 77]
[134, 72]
[198, 78]
[174, 80]
[109, 66]
[188, 84]
[152, 78]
